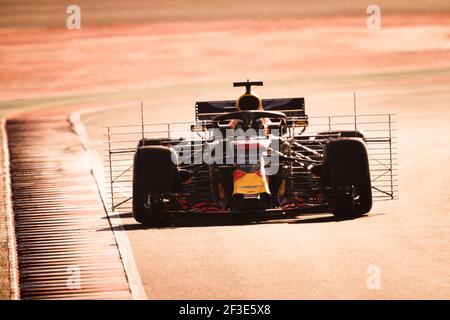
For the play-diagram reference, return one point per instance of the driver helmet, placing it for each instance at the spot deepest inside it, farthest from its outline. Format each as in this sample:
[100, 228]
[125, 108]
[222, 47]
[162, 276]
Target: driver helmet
[249, 101]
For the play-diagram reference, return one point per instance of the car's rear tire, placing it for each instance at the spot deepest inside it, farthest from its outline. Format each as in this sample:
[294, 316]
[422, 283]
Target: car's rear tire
[347, 177]
[154, 174]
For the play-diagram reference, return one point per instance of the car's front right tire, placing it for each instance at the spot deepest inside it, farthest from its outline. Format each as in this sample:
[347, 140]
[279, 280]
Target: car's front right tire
[347, 177]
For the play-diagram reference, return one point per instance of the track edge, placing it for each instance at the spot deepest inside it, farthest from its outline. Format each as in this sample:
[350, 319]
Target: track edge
[123, 244]
[10, 225]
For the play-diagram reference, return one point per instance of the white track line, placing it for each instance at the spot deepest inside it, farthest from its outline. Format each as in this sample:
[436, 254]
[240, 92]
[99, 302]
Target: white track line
[12, 244]
[123, 243]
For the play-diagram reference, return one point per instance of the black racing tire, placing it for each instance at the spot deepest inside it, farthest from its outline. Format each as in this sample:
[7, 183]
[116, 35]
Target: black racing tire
[149, 142]
[157, 142]
[154, 173]
[347, 175]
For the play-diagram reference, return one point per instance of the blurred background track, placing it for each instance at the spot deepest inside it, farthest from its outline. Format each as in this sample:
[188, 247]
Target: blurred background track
[50, 13]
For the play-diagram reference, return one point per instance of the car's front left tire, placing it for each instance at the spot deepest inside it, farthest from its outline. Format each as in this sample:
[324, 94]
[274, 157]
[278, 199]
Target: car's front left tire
[154, 174]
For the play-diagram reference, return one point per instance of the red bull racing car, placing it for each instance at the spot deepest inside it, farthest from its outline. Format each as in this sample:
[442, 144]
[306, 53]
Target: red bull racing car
[253, 159]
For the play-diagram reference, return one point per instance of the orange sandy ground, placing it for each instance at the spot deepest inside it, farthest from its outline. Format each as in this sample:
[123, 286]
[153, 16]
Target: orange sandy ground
[122, 60]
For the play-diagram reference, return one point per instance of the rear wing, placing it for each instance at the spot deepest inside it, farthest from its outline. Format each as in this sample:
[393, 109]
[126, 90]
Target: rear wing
[292, 107]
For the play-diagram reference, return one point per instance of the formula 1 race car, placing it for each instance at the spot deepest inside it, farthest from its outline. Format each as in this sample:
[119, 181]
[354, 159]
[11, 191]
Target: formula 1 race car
[252, 158]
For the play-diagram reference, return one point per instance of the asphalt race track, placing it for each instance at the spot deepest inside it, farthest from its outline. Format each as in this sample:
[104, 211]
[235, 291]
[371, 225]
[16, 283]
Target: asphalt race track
[315, 256]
